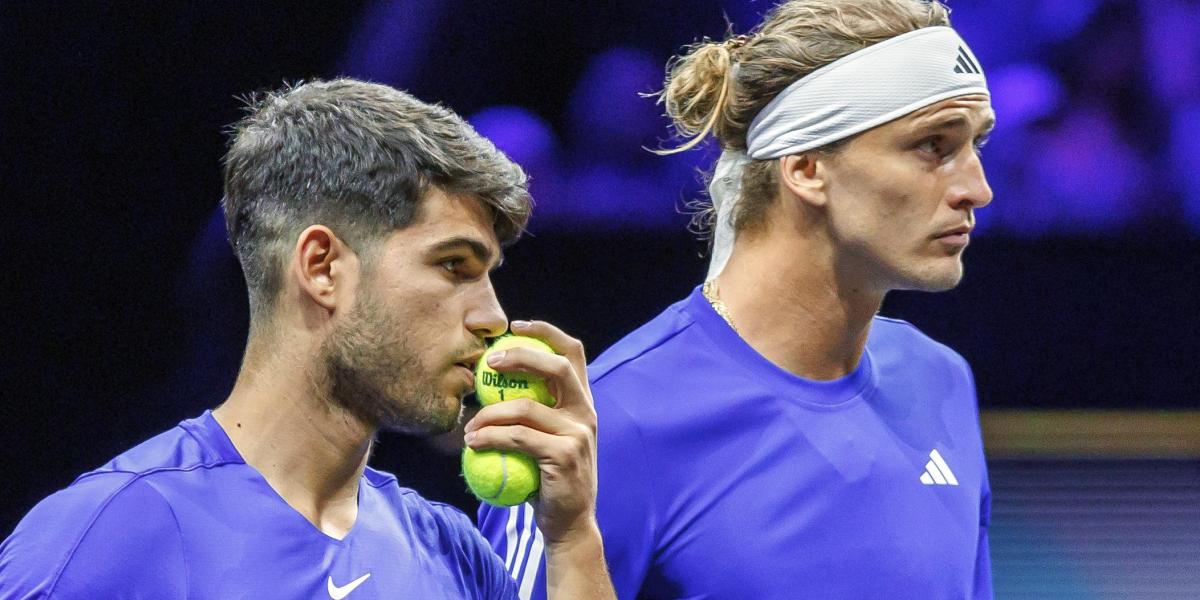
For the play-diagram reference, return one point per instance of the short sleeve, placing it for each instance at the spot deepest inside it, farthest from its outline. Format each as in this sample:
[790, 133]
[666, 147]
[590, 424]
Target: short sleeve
[106, 536]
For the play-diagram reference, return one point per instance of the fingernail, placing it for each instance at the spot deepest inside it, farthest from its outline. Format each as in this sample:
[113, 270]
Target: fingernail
[495, 357]
[470, 437]
[520, 324]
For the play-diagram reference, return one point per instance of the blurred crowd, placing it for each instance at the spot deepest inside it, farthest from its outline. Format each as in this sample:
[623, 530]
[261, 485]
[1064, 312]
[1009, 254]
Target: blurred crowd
[1098, 109]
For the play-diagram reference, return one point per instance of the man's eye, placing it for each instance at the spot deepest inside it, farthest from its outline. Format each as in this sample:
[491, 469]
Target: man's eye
[980, 142]
[451, 264]
[930, 145]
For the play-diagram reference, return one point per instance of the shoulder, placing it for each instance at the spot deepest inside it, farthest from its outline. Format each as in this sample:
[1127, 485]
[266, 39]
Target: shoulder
[644, 384]
[654, 341]
[111, 526]
[98, 534]
[180, 448]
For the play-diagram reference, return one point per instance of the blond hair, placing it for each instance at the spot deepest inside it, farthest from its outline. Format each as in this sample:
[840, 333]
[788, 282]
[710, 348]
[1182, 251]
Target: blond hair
[717, 88]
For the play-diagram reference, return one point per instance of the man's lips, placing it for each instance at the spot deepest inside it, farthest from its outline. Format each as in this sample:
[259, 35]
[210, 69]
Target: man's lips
[468, 362]
[467, 374]
[956, 236]
[466, 367]
[958, 230]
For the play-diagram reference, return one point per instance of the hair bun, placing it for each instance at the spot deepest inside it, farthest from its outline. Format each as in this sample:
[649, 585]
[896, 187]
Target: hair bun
[697, 90]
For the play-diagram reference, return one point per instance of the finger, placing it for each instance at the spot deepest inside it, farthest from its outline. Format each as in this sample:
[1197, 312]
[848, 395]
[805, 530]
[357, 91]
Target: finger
[569, 390]
[521, 411]
[545, 448]
[558, 340]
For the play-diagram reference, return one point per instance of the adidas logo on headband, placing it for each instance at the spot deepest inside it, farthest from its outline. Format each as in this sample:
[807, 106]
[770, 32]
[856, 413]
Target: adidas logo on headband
[965, 64]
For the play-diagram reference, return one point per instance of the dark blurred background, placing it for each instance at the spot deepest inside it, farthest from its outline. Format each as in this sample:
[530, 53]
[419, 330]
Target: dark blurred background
[124, 311]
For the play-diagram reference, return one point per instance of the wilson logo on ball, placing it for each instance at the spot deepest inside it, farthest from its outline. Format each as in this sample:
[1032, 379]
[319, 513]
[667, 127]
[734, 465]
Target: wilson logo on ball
[500, 381]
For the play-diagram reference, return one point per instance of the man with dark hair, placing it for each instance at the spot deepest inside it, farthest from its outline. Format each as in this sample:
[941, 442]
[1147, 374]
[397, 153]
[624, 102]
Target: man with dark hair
[367, 224]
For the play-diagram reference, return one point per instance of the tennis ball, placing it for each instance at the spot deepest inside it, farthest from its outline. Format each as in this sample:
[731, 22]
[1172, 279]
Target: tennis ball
[491, 386]
[499, 477]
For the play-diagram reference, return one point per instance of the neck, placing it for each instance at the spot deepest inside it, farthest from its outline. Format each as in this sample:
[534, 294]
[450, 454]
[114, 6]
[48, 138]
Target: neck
[310, 451]
[792, 301]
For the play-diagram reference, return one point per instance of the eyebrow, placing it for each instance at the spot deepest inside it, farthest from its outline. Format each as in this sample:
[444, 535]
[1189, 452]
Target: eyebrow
[480, 250]
[956, 121]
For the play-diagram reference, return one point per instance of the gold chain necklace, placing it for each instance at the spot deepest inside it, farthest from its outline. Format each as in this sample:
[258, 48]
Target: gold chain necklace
[710, 293]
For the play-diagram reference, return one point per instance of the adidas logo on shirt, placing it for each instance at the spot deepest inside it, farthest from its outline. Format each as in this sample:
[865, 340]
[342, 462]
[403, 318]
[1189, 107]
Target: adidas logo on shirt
[937, 472]
[965, 64]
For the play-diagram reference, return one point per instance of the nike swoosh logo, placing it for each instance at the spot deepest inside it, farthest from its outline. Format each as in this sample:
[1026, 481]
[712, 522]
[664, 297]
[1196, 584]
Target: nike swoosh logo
[337, 593]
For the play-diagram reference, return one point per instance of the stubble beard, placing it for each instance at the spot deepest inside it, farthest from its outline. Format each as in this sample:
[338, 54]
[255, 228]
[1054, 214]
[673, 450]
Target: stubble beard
[373, 373]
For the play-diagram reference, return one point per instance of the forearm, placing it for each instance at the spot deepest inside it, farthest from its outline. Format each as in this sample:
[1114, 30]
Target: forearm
[575, 568]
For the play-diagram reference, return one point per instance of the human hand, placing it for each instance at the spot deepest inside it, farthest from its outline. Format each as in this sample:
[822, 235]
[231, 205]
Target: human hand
[562, 439]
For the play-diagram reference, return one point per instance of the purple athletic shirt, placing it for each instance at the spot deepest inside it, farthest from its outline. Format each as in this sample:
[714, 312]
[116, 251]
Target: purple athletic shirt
[725, 477]
[183, 516]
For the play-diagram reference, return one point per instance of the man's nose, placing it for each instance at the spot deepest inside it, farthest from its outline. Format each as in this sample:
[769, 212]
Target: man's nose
[970, 188]
[485, 317]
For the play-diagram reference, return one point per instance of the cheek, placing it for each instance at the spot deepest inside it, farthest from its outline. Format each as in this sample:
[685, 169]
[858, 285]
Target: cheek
[902, 228]
[869, 210]
[880, 225]
[885, 211]
[432, 318]
[415, 292]
[898, 216]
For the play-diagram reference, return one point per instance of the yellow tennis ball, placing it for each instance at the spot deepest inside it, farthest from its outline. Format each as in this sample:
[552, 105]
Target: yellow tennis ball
[500, 478]
[492, 386]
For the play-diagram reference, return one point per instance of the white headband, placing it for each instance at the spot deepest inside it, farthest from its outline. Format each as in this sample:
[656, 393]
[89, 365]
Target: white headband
[873, 86]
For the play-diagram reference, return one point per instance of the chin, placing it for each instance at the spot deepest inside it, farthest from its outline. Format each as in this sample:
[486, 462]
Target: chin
[943, 282]
[940, 278]
[428, 424]
[436, 414]
[448, 417]
[940, 286]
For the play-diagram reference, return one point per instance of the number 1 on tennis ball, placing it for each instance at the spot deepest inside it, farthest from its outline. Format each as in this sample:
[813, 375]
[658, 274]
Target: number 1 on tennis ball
[499, 477]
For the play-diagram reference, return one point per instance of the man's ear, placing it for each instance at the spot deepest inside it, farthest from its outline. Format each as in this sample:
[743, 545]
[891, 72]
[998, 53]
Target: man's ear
[804, 176]
[324, 266]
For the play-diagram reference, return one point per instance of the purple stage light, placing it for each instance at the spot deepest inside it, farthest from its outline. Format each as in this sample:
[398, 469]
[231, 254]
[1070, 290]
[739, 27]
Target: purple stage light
[1022, 93]
[609, 180]
[390, 41]
[1059, 20]
[530, 141]
[519, 133]
[608, 113]
[1172, 49]
[1089, 178]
